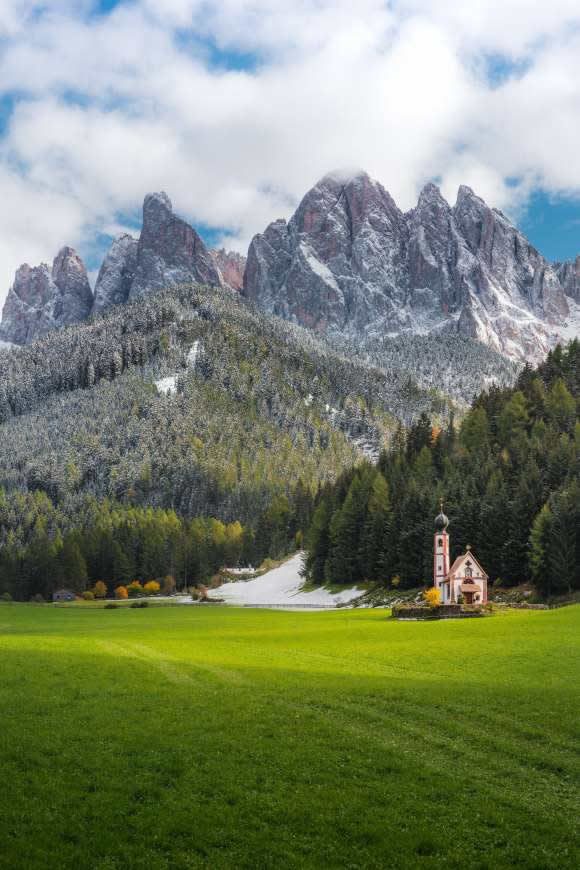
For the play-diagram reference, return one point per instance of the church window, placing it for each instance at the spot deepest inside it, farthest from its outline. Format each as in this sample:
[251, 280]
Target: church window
[440, 542]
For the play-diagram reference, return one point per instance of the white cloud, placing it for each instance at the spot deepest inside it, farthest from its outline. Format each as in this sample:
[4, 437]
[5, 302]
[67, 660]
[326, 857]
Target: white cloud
[113, 106]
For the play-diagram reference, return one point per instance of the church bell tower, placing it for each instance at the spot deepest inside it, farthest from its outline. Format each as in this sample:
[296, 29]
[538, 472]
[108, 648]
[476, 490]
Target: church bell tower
[441, 550]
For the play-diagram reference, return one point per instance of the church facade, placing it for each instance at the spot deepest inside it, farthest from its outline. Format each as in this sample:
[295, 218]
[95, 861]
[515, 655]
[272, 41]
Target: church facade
[464, 581]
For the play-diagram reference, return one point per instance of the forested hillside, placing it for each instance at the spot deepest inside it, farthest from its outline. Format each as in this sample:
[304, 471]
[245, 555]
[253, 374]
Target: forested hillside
[509, 476]
[187, 402]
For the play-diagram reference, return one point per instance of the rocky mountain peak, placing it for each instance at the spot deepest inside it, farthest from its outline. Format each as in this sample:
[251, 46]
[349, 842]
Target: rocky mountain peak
[350, 261]
[157, 202]
[170, 251]
[42, 298]
[430, 193]
[116, 273]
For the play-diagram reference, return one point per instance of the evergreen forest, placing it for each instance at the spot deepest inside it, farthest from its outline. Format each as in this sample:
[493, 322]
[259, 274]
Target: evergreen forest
[509, 476]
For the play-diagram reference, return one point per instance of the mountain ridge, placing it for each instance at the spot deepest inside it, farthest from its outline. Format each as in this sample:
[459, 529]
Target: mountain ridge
[348, 263]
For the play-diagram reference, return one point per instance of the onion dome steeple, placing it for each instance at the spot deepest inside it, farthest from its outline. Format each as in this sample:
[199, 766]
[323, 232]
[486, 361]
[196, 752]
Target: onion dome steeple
[441, 521]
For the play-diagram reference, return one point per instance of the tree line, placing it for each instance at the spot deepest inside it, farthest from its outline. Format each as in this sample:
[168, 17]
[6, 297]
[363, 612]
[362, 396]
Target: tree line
[44, 549]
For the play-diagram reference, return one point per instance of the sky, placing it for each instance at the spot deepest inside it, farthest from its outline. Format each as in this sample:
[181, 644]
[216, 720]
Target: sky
[236, 108]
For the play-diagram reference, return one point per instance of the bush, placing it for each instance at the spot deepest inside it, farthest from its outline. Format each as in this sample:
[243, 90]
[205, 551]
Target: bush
[395, 581]
[38, 599]
[195, 594]
[169, 585]
[139, 604]
[121, 593]
[110, 605]
[100, 590]
[432, 597]
[135, 589]
[152, 588]
[88, 595]
[6, 596]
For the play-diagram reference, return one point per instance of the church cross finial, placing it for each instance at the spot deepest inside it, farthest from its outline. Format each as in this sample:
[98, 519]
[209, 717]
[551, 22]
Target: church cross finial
[441, 503]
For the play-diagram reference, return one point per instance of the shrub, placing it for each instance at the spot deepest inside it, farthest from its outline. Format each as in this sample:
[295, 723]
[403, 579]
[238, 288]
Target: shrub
[395, 581]
[432, 597]
[110, 605]
[38, 599]
[152, 588]
[134, 589]
[139, 604]
[100, 590]
[169, 585]
[215, 581]
[88, 595]
[6, 596]
[121, 592]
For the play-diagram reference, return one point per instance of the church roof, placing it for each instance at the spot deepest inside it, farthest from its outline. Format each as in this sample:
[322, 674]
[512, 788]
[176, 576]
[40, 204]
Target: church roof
[469, 587]
[461, 559]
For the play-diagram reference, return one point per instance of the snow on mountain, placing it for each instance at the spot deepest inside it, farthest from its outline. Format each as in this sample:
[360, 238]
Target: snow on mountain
[168, 385]
[350, 263]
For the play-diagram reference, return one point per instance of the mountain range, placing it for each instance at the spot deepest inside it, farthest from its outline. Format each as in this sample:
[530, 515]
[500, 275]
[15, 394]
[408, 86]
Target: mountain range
[349, 264]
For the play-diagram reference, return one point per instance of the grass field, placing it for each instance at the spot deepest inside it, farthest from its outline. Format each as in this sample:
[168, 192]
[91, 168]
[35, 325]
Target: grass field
[223, 738]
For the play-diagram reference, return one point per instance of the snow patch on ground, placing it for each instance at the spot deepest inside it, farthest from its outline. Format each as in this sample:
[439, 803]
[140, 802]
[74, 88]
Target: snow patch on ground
[192, 355]
[167, 385]
[282, 587]
[6, 345]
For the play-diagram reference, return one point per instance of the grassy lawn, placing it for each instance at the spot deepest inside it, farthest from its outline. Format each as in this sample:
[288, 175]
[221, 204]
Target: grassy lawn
[172, 738]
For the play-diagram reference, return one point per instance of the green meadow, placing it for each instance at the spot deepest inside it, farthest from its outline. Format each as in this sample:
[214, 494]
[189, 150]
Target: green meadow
[185, 737]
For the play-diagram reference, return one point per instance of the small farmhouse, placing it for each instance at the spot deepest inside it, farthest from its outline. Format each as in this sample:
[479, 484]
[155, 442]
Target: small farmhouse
[465, 580]
[63, 595]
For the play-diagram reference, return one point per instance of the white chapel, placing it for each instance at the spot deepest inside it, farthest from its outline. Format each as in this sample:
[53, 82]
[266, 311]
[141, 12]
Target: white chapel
[466, 580]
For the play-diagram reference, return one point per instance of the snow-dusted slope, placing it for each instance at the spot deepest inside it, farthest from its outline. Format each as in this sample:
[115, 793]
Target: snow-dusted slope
[281, 587]
[168, 385]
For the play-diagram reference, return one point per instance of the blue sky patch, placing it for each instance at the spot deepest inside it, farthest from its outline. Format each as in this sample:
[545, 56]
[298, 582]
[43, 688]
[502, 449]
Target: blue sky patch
[552, 224]
[499, 69]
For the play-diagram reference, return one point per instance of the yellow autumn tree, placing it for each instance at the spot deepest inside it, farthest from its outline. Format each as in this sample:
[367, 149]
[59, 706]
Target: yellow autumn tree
[152, 587]
[432, 597]
[121, 592]
[100, 589]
